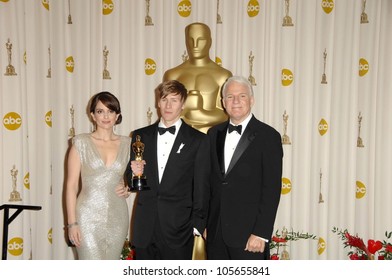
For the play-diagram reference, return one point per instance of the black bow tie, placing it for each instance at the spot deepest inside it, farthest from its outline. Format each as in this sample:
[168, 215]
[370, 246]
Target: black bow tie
[171, 129]
[237, 128]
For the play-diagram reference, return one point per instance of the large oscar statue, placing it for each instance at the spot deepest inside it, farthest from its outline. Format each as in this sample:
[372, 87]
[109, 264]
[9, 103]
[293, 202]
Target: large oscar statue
[203, 79]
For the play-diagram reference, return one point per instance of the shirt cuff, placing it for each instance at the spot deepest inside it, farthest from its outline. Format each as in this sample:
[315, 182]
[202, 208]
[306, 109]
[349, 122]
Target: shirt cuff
[266, 240]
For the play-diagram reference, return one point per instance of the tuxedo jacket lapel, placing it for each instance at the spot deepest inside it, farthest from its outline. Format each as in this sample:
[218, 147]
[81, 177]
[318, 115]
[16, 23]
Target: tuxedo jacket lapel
[247, 137]
[181, 138]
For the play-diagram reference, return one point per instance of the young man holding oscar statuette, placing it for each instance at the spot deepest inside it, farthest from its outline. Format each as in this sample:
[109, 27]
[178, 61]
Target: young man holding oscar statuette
[176, 168]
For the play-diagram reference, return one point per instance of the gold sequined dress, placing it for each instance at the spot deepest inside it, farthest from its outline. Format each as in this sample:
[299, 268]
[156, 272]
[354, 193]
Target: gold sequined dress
[102, 216]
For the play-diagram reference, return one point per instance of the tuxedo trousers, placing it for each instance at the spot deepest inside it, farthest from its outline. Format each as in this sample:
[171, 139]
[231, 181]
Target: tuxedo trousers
[217, 249]
[158, 249]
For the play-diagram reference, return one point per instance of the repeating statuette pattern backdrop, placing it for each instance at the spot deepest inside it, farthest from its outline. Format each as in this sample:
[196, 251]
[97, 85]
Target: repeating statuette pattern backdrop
[321, 75]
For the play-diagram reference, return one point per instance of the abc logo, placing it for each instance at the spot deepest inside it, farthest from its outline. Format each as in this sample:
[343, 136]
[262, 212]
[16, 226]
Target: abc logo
[327, 6]
[253, 8]
[218, 61]
[361, 190]
[184, 8]
[322, 127]
[286, 185]
[287, 77]
[70, 64]
[107, 7]
[12, 121]
[50, 236]
[48, 118]
[321, 246]
[150, 66]
[363, 67]
[45, 3]
[15, 246]
[26, 181]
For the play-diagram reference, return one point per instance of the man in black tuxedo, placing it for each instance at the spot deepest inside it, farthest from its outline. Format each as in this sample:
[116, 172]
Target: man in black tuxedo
[176, 165]
[246, 159]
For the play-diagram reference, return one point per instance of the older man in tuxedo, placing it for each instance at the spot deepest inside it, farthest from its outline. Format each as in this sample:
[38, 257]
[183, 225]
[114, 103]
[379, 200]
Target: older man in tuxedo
[246, 158]
[176, 166]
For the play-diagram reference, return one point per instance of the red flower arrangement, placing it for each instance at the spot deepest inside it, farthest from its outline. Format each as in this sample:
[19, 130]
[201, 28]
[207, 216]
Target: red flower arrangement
[361, 251]
[281, 241]
[128, 251]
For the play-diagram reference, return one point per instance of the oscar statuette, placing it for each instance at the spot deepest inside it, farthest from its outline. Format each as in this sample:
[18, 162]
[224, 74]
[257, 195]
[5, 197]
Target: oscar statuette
[139, 181]
[364, 16]
[285, 137]
[106, 73]
[50, 63]
[69, 12]
[324, 76]
[148, 19]
[359, 139]
[287, 20]
[218, 16]
[71, 132]
[15, 195]
[321, 200]
[10, 70]
[251, 79]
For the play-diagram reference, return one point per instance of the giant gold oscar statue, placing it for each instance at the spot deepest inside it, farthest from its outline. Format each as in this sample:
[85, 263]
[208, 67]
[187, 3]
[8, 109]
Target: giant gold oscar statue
[203, 79]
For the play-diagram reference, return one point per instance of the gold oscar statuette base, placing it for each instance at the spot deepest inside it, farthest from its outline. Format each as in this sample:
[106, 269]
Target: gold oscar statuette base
[15, 196]
[218, 19]
[364, 18]
[285, 255]
[287, 21]
[10, 71]
[324, 79]
[286, 140]
[360, 142]
[148, 21]
[71, 132]
[106, 75]
[321, 200]
[252, 80]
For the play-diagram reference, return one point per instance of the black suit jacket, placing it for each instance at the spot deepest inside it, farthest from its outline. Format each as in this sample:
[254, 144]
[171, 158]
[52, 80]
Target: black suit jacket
[179, 201]
[245, 198]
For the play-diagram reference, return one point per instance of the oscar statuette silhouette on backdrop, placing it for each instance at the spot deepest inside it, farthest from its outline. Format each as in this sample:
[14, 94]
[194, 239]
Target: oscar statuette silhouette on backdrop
[203, 79]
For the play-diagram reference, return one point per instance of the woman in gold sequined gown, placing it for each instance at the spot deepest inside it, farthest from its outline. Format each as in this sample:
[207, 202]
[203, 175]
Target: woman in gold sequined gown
[97, 216]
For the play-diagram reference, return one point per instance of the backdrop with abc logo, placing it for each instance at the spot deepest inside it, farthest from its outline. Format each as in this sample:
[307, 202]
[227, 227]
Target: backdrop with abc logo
[322, 77]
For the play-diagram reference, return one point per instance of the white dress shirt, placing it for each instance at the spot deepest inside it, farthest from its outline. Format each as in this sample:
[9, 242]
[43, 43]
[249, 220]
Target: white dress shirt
[232, 140]
[164, 146]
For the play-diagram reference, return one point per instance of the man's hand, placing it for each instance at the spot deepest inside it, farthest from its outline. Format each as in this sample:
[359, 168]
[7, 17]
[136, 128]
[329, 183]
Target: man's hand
[255, 244]
[137, 167]
[205, 234]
